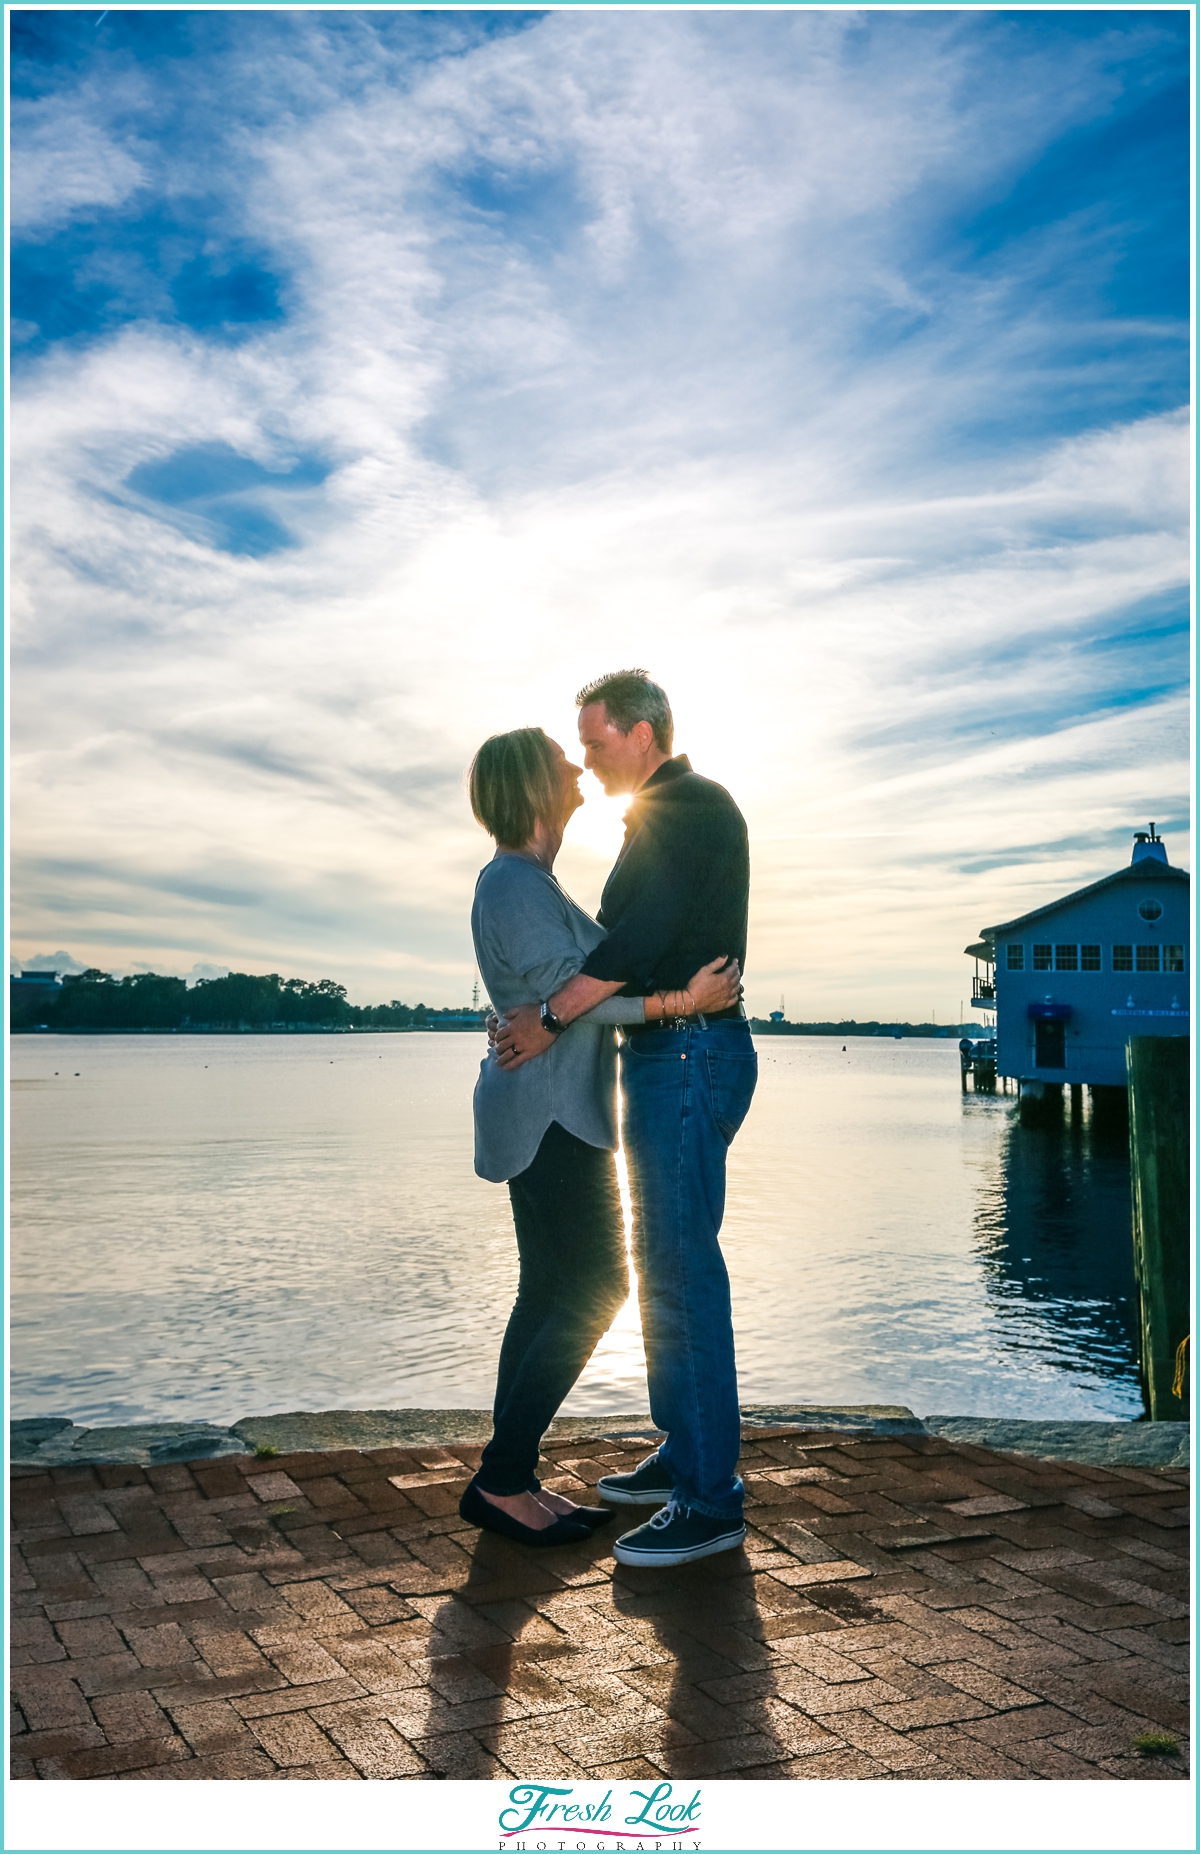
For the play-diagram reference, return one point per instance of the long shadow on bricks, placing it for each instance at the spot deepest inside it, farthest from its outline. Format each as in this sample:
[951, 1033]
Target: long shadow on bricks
[707, 1619]
[492, 1707]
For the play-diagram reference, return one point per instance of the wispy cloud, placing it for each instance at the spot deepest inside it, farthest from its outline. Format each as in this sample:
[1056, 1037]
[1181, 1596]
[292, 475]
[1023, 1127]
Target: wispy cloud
[68, 162]
[414, 369]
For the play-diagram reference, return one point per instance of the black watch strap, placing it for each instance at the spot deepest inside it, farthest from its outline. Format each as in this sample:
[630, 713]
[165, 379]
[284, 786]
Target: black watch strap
[550, 1022]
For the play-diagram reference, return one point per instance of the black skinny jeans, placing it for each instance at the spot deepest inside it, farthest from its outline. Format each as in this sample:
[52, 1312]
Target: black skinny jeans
[574, 1279]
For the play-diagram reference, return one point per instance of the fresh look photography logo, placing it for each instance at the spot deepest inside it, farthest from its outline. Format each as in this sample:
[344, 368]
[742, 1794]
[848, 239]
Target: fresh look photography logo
[560, 1816]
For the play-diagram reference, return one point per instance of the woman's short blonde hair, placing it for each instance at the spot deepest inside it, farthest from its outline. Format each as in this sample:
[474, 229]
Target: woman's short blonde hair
[513, 782]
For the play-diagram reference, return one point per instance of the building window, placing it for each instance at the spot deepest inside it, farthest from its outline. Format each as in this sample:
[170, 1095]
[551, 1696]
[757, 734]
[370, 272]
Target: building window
[1043, 958]
[1150, 910]
[1066, 959]
[1016, 959]
[1172, 959]
[1147, 959]
[1122, 959]
[1089, 959]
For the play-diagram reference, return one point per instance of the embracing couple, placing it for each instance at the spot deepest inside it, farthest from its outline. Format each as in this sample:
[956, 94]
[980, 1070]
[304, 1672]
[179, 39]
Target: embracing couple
[663, 961]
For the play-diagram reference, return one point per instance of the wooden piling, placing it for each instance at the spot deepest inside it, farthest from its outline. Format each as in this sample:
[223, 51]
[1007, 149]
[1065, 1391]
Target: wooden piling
[1158, 1146]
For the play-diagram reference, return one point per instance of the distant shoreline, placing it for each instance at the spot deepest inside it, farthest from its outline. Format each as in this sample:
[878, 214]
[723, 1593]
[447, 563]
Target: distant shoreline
[763, 1026]
[93, 1003]
[760, 1026]
[251, 1030]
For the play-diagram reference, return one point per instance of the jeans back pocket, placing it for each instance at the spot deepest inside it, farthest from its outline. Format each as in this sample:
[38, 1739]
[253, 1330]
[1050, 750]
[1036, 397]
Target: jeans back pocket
[731, 1083]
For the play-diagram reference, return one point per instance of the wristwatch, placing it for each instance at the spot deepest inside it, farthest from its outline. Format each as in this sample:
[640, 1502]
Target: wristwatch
[550, 1022]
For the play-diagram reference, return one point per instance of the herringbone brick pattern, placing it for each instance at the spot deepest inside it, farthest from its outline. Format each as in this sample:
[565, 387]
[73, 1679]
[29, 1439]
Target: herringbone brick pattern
[903, 1609]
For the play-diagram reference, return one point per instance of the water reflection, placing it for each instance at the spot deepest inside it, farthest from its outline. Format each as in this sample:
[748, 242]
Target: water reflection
[1052, 1232]
[877, 1231]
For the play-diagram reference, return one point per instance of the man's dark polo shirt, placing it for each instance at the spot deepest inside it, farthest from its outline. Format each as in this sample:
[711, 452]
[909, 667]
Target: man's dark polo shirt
[680, 890]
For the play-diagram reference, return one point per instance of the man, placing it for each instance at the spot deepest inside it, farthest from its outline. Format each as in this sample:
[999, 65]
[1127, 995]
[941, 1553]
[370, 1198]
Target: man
[676, 899]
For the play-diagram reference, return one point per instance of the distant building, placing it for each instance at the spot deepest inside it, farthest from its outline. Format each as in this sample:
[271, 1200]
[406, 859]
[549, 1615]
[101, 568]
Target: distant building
[1070, 982]
[31, 998]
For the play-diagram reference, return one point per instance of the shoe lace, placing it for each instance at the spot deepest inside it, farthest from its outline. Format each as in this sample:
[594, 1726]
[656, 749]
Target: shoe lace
[665, 1514]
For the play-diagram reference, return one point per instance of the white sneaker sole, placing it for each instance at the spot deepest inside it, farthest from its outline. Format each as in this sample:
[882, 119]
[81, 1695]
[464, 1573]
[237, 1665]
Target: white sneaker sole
[728, 1541]
[620, 1496]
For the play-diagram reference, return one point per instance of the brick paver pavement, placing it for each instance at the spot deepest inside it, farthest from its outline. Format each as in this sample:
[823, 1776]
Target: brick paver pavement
[903, 1609]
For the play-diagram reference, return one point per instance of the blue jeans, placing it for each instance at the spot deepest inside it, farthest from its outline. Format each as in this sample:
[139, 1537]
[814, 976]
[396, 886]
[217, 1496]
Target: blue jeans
[686, 1093]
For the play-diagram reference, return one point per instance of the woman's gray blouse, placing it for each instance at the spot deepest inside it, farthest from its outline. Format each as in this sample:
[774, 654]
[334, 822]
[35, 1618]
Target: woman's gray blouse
[530, 938]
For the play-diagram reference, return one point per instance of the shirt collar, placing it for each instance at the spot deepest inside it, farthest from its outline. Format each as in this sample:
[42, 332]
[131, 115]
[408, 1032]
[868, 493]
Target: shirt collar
[670, 769]
[667, 773]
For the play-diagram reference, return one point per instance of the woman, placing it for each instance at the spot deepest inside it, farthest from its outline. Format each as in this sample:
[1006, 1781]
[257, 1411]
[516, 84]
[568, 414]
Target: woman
[548, 1129]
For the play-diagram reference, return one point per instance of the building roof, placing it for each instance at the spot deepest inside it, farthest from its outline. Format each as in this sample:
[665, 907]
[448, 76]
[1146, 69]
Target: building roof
[1142, 872]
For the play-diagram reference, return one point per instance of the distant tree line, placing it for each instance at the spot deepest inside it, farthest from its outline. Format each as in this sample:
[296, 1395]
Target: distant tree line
[763, 1026]
[94, 1000]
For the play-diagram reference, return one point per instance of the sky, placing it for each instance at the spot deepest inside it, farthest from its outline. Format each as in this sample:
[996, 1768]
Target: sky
[379, 378]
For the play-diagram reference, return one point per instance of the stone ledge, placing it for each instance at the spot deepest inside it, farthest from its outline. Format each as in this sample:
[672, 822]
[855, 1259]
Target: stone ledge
[332, 1429]
[877, 1419]
[59, 1442]
[1100, 1445]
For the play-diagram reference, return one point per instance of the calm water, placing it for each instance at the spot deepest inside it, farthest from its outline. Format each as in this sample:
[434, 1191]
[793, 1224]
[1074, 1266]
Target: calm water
[220, 1227]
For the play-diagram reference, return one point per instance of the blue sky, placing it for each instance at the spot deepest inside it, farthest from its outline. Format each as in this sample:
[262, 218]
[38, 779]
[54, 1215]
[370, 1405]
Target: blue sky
[379, 378]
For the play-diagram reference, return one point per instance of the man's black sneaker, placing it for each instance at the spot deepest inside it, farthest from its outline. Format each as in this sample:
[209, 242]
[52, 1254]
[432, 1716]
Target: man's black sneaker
[678, 1534]
[650, 1484]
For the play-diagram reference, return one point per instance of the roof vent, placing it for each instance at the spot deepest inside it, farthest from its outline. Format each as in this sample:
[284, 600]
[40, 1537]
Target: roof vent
[1148, 846]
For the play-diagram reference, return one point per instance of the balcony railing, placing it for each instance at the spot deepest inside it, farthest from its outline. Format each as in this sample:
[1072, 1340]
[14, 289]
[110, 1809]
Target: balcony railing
[983, 991]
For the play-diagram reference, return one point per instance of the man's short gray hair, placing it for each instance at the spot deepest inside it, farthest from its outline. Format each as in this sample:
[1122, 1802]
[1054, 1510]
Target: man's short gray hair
[629, 696]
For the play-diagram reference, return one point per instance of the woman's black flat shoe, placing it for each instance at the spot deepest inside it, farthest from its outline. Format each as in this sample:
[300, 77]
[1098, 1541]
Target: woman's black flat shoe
[590, 1516]
[480, 1512]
